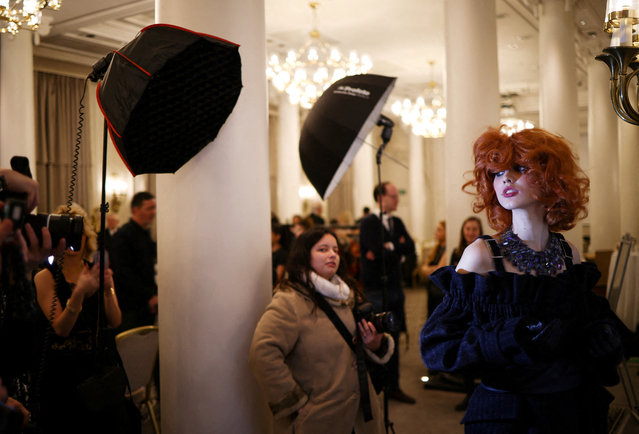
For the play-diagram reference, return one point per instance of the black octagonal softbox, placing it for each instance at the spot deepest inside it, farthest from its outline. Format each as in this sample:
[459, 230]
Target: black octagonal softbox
[166, 94]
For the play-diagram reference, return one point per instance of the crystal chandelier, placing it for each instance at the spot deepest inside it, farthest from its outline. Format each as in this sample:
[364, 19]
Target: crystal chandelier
[427, 115]
[304, 75]
[23, 14]
[509, 120]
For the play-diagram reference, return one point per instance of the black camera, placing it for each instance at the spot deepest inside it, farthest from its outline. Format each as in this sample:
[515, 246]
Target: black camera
[60, 226]
[383, 321]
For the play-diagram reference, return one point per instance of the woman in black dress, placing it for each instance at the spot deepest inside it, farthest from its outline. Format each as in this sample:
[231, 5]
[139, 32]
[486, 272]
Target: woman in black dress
[68, 300]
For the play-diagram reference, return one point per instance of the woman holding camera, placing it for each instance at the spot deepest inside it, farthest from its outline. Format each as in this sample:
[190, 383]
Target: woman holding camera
[68, 298]
[519, 310]
[306, 369]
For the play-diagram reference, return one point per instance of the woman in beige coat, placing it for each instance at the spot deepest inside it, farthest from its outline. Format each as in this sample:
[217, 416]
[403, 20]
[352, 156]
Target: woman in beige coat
[303, 365]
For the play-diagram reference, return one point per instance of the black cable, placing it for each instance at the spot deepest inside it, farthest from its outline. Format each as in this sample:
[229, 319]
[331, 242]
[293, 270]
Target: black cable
[76, 150]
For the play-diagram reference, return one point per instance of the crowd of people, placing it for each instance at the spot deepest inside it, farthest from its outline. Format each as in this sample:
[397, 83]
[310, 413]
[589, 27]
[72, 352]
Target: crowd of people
[511, 315]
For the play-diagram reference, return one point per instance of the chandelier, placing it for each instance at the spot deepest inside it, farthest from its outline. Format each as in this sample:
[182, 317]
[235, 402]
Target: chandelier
[621, 57]
[23, 14]
[510, 123]
[427, 115]
[306, 73]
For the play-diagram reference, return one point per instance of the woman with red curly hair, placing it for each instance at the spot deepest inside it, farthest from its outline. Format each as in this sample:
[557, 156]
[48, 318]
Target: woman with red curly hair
[518, 310]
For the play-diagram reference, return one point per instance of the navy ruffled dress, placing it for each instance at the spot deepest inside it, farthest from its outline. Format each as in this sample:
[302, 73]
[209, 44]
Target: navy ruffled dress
[477, 329]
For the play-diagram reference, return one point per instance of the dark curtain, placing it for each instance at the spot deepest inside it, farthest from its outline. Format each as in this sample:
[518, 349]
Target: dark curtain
[57, 131]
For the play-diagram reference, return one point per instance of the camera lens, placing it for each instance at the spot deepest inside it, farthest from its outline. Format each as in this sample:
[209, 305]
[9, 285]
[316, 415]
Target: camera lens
[387, 322]
[60, 226]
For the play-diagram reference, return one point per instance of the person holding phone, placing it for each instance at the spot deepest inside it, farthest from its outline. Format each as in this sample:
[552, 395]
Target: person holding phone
[67, 293]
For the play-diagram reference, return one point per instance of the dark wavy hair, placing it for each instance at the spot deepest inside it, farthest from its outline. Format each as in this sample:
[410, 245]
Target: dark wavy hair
[298, 265]
[561, 186]
[462, 241]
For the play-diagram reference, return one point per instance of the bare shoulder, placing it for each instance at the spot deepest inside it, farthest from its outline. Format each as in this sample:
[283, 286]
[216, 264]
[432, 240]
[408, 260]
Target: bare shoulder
[477, 258]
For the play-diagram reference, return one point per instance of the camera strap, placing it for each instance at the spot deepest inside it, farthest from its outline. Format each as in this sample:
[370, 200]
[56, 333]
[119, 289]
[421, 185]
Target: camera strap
[358, 349]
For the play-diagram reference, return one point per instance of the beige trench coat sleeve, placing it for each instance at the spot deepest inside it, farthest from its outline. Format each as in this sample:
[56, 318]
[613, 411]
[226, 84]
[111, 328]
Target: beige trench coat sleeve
[274, 338]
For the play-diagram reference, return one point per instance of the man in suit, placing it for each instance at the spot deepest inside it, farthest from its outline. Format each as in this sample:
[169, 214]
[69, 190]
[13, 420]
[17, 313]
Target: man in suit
[133, 256]
[383, 245]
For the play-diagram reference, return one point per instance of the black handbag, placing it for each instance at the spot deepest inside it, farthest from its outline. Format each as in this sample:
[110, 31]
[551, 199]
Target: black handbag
[103, 397]
[104, 390]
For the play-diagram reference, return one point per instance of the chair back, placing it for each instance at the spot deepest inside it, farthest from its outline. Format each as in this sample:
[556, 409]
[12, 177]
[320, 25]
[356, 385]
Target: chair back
[619, 272]
[138, 349]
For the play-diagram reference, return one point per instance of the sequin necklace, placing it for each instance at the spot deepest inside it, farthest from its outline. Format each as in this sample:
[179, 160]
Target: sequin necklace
[545, 263]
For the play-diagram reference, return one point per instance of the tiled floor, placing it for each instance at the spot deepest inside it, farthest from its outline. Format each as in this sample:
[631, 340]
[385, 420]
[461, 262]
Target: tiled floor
[434, 411]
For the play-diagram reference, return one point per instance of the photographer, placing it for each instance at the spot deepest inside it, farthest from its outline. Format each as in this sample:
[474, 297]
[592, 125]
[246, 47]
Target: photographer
[17, 300]
[68, 299]
[307, 371]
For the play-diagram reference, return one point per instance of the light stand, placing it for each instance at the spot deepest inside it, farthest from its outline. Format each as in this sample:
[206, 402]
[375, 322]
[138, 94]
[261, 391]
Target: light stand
[98, 71]
[387, 132]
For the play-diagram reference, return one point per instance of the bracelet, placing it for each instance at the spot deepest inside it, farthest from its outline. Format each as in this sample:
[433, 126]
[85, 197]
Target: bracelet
[73, 310]
[110, 291]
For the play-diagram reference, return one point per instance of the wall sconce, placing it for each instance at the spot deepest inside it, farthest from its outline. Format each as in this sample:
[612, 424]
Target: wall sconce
[116, 188]
[622, 21]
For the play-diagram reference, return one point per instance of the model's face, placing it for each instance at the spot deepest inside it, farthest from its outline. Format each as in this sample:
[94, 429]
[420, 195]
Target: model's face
[514, 188]
[325, 256]
[391, 199]
[471, 231]
[145, 213]
[440, 233]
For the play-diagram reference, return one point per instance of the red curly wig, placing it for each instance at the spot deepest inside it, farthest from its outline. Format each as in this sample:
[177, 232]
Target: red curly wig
[550, 165]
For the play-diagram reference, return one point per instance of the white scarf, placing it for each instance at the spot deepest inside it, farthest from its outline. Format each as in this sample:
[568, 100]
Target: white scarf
[335, 288]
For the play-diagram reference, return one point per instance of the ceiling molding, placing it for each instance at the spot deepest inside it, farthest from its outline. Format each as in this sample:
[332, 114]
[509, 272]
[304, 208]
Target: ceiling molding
[113, 13]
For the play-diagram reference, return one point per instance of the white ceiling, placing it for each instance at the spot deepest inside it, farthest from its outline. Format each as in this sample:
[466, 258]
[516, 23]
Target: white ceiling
[401, 36]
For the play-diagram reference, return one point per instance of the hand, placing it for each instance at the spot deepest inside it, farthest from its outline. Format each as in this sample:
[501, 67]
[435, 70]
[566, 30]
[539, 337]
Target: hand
[18, 183]
[603, 340]
[88, 281]
[370, 255]
[21, 408]
[108, 277]
[153, 304]
[369, 335]
[37, 253]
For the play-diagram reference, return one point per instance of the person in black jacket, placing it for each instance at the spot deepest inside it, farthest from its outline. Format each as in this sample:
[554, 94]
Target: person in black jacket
[383, 245]
[133, 255]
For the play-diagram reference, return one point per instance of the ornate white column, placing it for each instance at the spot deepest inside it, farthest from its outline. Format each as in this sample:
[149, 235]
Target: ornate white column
[471, 48]
[289, 168]
[604, 161]
[214, 257]
[628, 183]
[558, 110]
[417, 188]
[17, 105]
